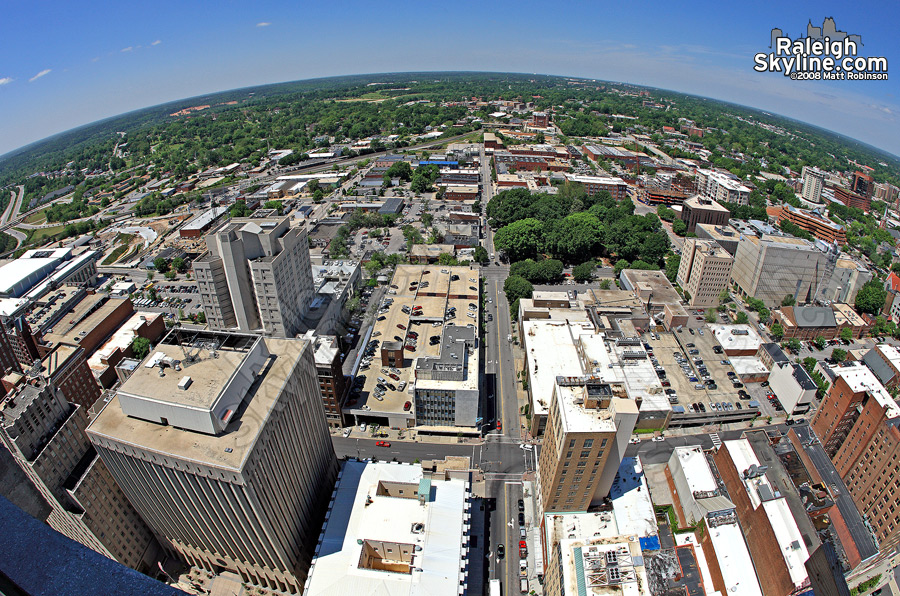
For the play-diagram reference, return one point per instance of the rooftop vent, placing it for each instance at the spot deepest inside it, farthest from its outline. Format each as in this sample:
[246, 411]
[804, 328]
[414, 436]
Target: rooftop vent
[184, 383]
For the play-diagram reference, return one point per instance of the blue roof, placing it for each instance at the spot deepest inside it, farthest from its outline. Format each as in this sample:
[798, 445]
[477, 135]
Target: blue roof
[649, 543]
[40, 561]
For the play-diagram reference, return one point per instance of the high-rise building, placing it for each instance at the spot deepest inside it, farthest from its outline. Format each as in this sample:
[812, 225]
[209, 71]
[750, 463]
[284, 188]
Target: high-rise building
[699, 210]
[813, 183]
[46, 436]
[772, 267]
[588, 428]
[704, 271]
[256, 277]
[68, 370]
[332, 382]
[816, 224]
[886, 192]
[722, 187]
[220, 442]
[851, 412]
[863, 184]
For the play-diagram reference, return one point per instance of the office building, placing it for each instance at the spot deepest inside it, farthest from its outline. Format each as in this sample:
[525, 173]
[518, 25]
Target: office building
[256, 277]
[773, 538]
[699, 210]
[852, 199]
[588, 428]
[851, 412]
[813, 183]
[793, 387]
[220, 442]
[810, 322]
[815, 223]
[722, 187]
[391, 529]
[46, 436]
[772, 267]
[726, 236]
[886, 192]
[68, 371]
[704, 272]
[863, 184]
[540, 120]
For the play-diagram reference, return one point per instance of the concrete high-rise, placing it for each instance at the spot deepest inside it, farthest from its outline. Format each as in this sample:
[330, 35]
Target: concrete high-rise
[704, 271]
[256, 277]
[220, 442]
[772, 267]
[813, 183]
[46, 436]
[588, 428]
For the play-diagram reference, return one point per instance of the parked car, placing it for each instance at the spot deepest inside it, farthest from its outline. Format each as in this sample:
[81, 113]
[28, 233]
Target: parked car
[382, 443]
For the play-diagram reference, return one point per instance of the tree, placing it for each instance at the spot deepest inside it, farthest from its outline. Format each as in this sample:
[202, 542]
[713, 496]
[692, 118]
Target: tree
[606, 284]
[777, 331]
[809, 363]
[201, 317]
[741, 318]
[400, 169]
[140, 347]
[276, 205]
[160, 264]
[240, 209]
[847, 334]
[673, 261]
[517, 287]
[710, 315]
[870, 298]
[819, 342]
[520, 240]
[584, 273]
[620, 265]
[839, 354]
[724, 296]
[788, 300]
[179, 265]
[481, 255]
[427, 219]
[679, 228]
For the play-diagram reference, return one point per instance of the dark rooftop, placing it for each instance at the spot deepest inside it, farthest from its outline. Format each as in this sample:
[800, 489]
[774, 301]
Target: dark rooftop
[778, 356]
[862, 537]
[814, 316]
[37, 560]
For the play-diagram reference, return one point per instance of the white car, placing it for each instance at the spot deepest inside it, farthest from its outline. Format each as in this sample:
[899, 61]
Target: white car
[658, 439]
[362, 427]
[634, 440]
[347, 432]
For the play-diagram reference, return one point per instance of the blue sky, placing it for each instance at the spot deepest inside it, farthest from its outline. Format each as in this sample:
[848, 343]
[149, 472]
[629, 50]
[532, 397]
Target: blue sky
[63, 65]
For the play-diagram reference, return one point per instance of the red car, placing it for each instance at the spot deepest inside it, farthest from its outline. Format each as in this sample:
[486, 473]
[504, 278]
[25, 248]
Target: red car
[393, 376]
[499, 426]
[407, 406]
[411, 348]
[401, 326]
[382, 443]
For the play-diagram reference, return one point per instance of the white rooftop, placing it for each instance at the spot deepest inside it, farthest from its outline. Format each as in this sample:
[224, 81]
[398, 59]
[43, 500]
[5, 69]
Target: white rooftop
[549, 353]
[628, 364]
[737, 337]
[734, 560]
[747, 365]
[586, 562]
[696, 469]
[762, 493]
[360, 518]
[630, 497]
[861, 378]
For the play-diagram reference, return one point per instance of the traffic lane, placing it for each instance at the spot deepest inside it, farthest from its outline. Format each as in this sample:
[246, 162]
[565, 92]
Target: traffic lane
[365, 447]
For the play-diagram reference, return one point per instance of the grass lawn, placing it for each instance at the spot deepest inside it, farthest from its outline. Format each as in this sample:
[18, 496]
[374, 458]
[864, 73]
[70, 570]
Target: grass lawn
[43, 233]
[36, 218]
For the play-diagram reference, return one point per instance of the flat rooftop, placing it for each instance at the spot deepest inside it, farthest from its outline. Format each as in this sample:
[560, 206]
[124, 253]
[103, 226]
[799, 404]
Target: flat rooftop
[588, 563]
[860, 378]
[631, 502]
[696, 469]
[736, 337]
[698, 202]
[227, 450]
[645, 282]
[445, 302]
[734, 560]
[550, 353]
[375, 510]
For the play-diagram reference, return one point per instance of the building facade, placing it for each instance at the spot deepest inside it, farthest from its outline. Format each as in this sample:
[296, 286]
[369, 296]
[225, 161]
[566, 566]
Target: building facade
[46, 436]
[772, 267]
[704, 271]
[724, 188]
[256, 277]
[588, 428]
[220, 442]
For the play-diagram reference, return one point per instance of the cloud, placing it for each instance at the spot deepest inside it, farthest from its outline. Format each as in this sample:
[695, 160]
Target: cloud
[263, 24]
[156, 43]
[128, 49]
[43, 73]
[5, 81]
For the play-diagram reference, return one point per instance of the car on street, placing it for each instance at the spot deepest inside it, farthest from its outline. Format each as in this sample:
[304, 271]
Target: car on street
[658, 439]
[521, 505]
[521, 519]
[382, 443]
[501, 551]
[634, 440]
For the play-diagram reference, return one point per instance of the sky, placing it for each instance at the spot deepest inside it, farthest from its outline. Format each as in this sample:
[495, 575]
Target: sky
[64, 64]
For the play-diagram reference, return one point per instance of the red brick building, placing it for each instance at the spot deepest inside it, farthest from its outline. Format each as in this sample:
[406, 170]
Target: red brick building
[852, 199]
[66, 367]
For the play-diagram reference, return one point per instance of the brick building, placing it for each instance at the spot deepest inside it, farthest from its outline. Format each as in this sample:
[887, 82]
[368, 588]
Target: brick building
[594, 184]
[852, 199]
[68, 370]
[332, 381]
[817, 225]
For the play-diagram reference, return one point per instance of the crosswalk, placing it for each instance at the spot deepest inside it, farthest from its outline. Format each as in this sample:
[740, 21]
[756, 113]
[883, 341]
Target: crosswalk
[717, 442]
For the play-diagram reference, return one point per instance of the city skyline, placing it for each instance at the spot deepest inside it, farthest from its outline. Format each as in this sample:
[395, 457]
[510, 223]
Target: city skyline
[88, 68]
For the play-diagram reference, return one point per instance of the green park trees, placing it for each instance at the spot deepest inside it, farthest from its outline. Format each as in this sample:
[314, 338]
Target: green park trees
[585, 272]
